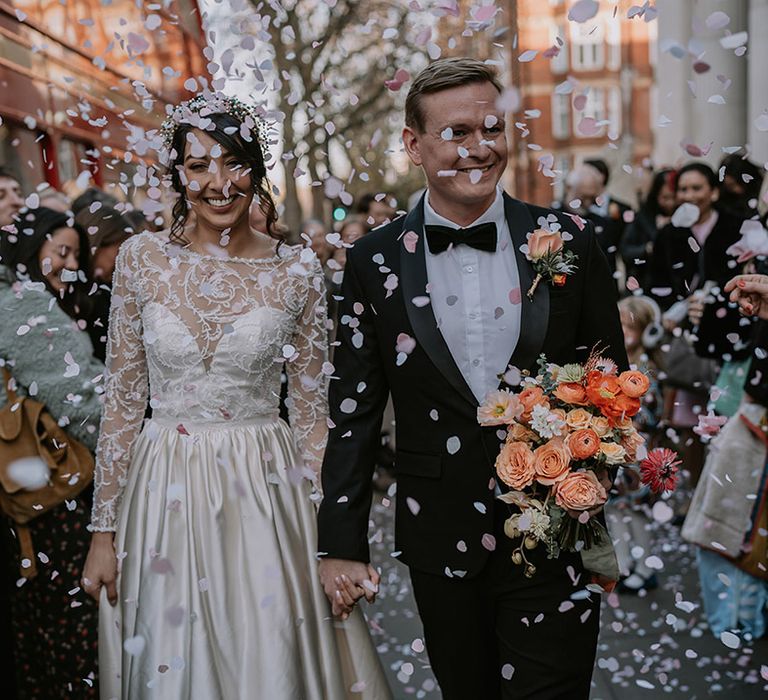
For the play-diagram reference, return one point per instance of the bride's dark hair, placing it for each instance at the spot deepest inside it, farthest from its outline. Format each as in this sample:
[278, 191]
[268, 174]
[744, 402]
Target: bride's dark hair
[249, 153]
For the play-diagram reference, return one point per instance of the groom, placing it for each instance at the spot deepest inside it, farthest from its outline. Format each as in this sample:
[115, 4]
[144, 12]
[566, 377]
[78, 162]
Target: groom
[434, 310]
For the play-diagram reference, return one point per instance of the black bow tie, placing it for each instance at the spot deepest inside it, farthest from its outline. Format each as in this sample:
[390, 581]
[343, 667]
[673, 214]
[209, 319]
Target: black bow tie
[482, 237]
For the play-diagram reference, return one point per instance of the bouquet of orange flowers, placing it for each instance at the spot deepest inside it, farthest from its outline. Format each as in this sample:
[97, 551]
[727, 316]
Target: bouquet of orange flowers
[565, 429]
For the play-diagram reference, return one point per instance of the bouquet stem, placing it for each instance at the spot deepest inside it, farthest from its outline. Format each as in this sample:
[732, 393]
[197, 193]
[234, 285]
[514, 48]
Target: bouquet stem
[535, 284]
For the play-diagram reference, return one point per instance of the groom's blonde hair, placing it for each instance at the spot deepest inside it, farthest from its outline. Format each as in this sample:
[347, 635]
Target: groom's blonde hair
[444, 74]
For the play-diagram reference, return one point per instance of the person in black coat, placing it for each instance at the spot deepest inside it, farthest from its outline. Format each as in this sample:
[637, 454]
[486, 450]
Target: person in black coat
[640, 236]
[449, 525]
[685, 258]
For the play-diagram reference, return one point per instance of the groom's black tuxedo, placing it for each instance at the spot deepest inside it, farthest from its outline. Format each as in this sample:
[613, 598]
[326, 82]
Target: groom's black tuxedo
[442, 498]
[477, 608]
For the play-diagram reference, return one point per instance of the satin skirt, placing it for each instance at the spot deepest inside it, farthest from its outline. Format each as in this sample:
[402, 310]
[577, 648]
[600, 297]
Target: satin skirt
[219, 595]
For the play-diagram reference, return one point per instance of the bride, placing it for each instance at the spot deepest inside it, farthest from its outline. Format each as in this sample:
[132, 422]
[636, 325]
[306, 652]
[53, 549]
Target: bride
[203, 548]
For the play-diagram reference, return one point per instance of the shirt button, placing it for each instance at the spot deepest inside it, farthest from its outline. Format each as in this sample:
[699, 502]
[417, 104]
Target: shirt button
[473, 315]
[469, 268]
[475, 362]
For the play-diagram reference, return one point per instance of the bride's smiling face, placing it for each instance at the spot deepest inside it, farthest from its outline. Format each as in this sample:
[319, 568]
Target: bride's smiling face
[216, 183]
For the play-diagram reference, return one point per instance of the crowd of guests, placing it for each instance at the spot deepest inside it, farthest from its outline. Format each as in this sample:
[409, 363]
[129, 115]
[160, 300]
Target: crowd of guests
[694, 230]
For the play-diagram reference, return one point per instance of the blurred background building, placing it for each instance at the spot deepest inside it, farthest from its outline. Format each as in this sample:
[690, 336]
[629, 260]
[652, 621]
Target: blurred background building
[586, 90]
[80, 79]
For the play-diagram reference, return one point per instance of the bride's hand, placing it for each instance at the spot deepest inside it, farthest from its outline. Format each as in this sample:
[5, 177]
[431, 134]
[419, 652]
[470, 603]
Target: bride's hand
[101, 567]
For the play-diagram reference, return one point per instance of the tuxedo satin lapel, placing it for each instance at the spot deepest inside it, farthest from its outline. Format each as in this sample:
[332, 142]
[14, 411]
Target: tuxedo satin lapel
[413, 280]
[534, 317]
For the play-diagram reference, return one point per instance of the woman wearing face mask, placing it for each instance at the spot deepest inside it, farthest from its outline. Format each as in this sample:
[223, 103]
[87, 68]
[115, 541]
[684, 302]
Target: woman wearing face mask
[208, 506]
[107, 230]
[690, 251]
[44, 298]
[640, 237]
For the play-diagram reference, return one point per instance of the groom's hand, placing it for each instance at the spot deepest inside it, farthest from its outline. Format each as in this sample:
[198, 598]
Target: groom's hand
[345, 582]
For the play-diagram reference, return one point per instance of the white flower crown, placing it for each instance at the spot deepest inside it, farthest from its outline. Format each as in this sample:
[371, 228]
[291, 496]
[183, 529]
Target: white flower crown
[197, 112]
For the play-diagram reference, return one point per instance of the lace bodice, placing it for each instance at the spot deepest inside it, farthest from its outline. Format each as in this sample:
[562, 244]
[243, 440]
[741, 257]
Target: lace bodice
[203, 339]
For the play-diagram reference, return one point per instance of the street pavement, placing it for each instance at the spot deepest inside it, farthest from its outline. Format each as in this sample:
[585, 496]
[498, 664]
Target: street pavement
[650, 647]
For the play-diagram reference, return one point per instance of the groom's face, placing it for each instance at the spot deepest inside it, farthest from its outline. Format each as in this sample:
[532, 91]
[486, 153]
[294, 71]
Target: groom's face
[463, 148]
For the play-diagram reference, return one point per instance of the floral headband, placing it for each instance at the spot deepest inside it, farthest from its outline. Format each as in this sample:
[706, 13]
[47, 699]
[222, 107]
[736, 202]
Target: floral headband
[197, 111]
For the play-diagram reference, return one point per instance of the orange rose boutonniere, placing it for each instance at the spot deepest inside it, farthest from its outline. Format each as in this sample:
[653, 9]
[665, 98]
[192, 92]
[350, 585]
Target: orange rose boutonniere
[546, 251]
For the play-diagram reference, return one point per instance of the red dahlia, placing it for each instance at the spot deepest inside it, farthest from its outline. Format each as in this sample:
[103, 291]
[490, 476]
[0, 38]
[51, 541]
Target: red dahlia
[659, 470]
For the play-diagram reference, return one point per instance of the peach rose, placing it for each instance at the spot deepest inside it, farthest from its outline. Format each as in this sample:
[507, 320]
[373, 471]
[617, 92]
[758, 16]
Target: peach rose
[541, 242]
[571, 392]
[614, 452]
[514, 465]
[601, 425]
[519, 433]
[633, 383]
[532, 396]
[624, 424]
[551, 461]
[580, 491]
[560, 413]
[583, 444]
[578, 418]
[632, 441]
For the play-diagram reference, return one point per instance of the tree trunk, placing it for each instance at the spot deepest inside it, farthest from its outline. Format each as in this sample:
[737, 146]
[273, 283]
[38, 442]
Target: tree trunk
[293, 215]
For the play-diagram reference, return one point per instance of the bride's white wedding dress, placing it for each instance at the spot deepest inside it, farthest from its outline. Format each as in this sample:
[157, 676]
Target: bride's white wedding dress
[219, 595]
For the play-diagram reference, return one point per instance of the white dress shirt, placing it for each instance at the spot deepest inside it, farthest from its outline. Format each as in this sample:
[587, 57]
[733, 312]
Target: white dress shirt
[476, 299]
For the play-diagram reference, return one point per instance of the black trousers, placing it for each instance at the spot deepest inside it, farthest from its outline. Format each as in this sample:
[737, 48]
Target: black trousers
[502, 635]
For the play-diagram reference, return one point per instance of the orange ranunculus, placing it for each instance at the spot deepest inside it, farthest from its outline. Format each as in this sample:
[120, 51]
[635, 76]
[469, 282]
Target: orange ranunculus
[578, 418]
[551, 461]
[580, 491]
[633, 383]
[613, 452]
[572, 393]
[514, 465]
[621, 406]
[541, 242]
[583, 443]
[632, 441]
[532, 396]
[602, 388]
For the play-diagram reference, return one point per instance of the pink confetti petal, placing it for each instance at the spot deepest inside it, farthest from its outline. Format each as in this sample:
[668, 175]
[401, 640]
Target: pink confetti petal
[515, 296]
[485, 13]
[583, 10]
[410, 240]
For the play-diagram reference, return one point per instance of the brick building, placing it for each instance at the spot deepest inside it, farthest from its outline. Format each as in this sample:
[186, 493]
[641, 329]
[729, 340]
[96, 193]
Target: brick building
[77, 79]
[593, 98]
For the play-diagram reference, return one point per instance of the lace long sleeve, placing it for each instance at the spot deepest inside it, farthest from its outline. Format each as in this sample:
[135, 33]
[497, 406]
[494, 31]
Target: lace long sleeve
[126, 391]
[307, 381]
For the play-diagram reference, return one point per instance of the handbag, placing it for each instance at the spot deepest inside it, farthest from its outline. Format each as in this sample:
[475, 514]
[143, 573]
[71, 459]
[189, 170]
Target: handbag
[28, 430]
[730, 386]
[684, 369]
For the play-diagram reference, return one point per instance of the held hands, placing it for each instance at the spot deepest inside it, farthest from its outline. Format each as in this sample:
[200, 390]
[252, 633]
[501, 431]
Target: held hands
[750, 292]
[345, 582]
[101, 567]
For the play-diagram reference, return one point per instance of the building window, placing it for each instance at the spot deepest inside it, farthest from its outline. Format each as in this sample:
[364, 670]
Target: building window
[613, 39]
[562, 167]
[594, 107]
[559, 63]
[561, 116]
[22, 154]
[587, 45]
[614, 110]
